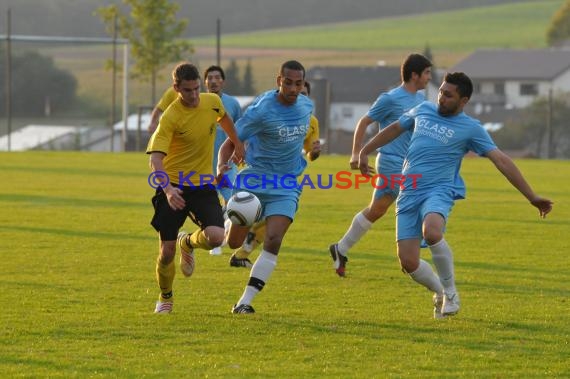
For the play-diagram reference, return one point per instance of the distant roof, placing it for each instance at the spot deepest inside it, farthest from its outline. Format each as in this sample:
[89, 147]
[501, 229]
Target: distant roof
[536, 64]
[32, 136]
[357, 84]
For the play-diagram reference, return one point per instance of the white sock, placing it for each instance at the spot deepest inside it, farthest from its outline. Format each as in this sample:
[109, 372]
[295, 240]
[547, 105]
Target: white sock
[443, 262]
[360, 225]
[260, 272]
[425, 276]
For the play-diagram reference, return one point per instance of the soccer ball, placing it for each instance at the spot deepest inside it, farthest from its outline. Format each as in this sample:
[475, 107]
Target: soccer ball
[243, 208]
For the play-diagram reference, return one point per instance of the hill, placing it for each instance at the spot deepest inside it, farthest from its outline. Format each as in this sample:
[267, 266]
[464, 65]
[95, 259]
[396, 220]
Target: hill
[75, 17]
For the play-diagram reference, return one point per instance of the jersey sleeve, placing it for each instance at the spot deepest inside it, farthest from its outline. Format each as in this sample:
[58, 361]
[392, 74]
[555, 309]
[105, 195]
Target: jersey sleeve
[381, 107]
[312, 135]
[161, 138]
[481, 142]
[407, 120]
[167, 98]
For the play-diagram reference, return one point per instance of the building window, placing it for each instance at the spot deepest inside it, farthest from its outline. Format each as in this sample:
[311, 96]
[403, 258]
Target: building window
[529, 89]
[500, 88]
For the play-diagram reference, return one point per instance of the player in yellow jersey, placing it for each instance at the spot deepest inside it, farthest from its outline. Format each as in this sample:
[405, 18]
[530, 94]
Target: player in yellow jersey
[255, 237]
[181, 155]
[167, 98]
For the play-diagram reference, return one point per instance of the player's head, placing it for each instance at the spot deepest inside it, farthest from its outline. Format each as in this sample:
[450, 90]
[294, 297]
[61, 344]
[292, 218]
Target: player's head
[454, 93]
[416, 68]
[306, 89]
[214, 78]
[290, 81]
[186, 80]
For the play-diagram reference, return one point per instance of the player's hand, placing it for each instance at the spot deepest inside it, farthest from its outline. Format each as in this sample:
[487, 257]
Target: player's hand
[174, 197]
[363, 166]
[315, 150]
[354, 161]
[239, 153]
[544, 205]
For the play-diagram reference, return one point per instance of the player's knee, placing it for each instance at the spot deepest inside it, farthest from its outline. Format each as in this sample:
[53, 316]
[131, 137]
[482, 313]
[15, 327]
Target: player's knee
[216, 237]
[432, 236]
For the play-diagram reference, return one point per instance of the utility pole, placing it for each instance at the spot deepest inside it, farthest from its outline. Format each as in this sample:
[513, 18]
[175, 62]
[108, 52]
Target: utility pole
[218, 41]
[9, 78]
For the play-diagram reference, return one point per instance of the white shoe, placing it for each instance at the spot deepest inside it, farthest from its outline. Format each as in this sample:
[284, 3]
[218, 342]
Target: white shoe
[186, 256]
[450, 304]
[437, 305]
[216, 251]
[163, 307]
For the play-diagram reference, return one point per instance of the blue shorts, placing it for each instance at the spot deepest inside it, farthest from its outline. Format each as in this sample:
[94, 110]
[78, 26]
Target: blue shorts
[279, 195]
[389, 168]
[410, 216]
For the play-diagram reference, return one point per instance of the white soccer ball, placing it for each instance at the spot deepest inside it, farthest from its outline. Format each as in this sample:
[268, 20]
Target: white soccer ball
[243, 209]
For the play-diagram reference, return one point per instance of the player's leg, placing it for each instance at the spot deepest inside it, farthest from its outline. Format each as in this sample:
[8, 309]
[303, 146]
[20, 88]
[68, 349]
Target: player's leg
[435, 213]
[206, 212]
[255, 237]
[408, 232]
[382, 197]
[166, 222]
[279, 214]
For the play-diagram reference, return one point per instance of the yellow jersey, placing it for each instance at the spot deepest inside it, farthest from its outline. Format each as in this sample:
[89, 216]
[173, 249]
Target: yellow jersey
[186, 136]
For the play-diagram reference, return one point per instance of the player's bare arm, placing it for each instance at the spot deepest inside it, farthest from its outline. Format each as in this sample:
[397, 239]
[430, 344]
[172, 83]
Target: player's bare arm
[385, 136]
[173, 194]
[357, 138]
[508, 168]
[228, 125]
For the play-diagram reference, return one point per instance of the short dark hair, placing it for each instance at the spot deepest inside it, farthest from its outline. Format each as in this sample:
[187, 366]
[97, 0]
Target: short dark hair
[292, 65]
[308, 86]
[185, 71]
[414, 63]
[462, 81]
[214, 68]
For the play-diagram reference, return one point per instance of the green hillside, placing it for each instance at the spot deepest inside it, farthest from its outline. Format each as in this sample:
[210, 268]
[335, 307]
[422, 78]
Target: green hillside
[520, 25]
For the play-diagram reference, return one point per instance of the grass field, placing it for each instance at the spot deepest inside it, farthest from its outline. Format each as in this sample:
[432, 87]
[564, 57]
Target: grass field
[78, 284]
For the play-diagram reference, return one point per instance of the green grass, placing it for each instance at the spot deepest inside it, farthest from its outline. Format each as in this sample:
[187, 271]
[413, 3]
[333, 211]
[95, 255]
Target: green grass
[518, 25]
[78, 285]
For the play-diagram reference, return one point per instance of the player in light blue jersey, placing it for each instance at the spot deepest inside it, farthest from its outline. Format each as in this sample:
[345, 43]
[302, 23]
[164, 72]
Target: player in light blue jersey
[415, 74]
[441, 137]
[214, 79]
[273, 129]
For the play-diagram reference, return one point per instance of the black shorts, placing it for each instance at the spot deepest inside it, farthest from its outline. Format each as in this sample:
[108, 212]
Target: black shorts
[202, 207]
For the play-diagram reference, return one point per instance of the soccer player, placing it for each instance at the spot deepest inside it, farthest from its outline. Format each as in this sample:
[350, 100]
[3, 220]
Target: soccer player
[214, 78]
[182, 147]
[441, 137]
[273, 129]
[167, 98]
[415, 74]
[256, 235]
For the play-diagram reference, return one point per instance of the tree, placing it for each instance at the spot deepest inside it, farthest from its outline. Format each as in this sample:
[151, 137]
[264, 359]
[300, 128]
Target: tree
[530, 130]
[559, 29]
[152, 30]
[232, 84]
[36, 85]
[248, 87]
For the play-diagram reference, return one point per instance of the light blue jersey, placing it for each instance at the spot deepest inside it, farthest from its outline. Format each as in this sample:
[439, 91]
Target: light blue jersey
[433, 161]
[233, 109]
[273, 134]
[387, 108]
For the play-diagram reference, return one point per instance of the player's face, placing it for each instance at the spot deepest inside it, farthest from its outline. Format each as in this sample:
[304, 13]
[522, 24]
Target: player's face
[449, 101]
[214, 82]
[190, 92]
[424, 78]
[290, 84]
